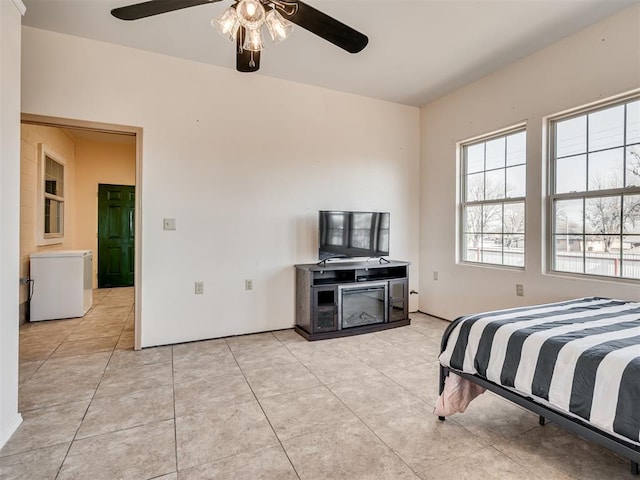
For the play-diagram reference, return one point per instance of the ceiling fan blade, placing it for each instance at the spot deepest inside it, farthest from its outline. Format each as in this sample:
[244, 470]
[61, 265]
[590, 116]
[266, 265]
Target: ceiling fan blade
[246, 61]
[154, 7]
[325, 27]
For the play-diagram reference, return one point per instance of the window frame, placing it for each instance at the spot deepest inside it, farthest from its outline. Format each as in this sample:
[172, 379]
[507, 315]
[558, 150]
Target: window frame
[57, 237]
[463, 202]
[584, 195]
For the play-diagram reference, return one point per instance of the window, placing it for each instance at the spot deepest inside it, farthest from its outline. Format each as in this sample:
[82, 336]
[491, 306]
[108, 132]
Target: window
[51, 198]
[595, 191]
[493, 197]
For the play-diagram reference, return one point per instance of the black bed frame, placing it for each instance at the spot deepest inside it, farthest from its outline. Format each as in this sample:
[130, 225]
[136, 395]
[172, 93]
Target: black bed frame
[573, 424]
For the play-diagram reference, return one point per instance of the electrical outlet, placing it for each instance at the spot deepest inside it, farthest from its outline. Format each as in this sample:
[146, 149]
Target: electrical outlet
[169, 224]
[435, 275]
[199, 288]
[519, 290]
[248, 284]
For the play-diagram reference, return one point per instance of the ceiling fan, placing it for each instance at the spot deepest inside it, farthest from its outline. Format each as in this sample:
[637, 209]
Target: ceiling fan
[243, 21]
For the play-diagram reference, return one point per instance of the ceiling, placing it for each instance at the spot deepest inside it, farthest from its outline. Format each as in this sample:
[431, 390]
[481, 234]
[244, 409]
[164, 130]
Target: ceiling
[418, 50]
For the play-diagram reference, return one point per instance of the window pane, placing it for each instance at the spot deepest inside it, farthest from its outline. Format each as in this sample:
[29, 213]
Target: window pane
[53, 177]
[631, 256]
[475, 187]
[514, 217]
[633, 122]
[52, 216]
[600, 262]
[571, 174]
[633, 166]
[570, 244]
[568, 216]
[492, 249]
[516, 148]
[495, 152]
[475, 158]
[516, 179]
[514, 250]
[605, 169]
[571, 136]
[472, 248]
[606, 128]
[631, 214]
[50, 186]
[602, 215]
[568, 253]
[473, 219]
[494, 184]
[492, 219]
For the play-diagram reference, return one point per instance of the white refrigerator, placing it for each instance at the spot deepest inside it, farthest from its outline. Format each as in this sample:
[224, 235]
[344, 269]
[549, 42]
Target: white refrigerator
[62, 286]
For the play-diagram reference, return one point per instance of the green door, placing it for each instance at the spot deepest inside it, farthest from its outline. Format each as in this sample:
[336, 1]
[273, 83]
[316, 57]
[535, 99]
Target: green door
[116, 221]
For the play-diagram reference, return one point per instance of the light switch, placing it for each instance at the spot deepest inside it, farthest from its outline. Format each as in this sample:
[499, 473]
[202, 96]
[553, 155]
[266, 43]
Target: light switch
[169, 224]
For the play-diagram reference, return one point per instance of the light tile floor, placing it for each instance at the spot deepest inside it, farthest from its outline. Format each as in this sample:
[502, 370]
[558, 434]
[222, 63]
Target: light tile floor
[265, 406]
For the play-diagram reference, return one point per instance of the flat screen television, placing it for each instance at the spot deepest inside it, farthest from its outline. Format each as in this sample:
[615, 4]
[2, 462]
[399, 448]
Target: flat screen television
[345, 234]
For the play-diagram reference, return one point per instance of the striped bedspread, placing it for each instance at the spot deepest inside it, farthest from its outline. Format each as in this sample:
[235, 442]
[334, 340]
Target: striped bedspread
[581, 356]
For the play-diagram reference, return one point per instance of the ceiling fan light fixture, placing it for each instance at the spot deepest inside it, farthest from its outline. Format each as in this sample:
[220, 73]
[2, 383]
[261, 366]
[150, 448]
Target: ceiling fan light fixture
[250, 13]
[253, 40]
[279, 27]
[227, 23]
[243, 21]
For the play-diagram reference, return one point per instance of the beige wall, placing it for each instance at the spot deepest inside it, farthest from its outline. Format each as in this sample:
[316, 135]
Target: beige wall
[98, 162]
[60, 143]
[595, 63]
[243, 163]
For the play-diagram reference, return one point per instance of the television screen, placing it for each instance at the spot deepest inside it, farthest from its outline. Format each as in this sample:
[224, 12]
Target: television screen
[343, 234]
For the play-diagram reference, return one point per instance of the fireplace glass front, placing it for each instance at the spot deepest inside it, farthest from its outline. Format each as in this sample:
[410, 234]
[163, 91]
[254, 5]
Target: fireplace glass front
[363, 305]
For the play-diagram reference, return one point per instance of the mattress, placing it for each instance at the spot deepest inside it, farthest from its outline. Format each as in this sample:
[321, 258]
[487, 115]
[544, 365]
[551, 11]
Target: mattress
[580, 356]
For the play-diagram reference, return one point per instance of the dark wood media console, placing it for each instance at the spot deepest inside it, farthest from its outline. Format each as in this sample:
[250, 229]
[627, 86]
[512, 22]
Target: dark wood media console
[340, 299]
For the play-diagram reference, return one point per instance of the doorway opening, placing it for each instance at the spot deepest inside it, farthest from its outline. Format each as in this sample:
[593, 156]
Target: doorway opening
[94, 154]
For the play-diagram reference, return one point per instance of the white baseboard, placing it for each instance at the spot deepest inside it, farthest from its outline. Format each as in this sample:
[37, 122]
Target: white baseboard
[6, 435]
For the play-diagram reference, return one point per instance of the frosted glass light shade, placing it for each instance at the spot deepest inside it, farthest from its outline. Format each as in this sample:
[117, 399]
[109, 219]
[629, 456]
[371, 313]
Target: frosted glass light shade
[279, 28]
[250, 14]
[253, 40]
[228, 23]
